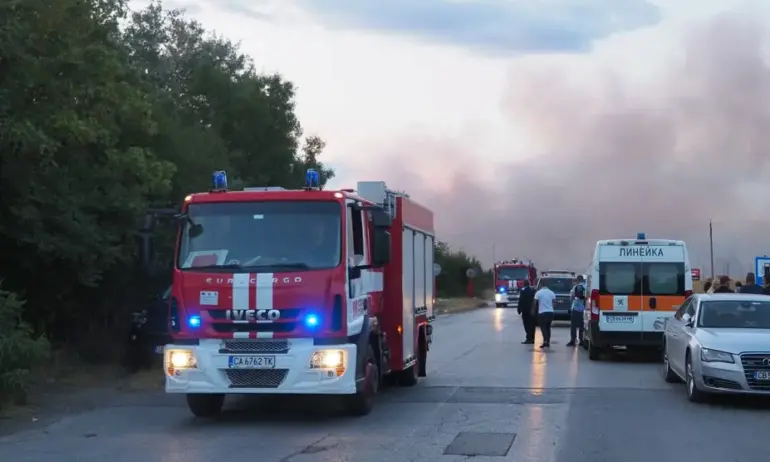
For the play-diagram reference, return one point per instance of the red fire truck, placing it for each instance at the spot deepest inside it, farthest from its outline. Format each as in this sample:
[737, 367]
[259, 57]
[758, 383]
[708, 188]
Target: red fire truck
[509, 279]
[306, 291]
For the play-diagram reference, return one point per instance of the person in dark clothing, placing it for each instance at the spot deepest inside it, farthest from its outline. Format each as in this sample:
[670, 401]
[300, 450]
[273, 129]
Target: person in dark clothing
[751, 286]
[724, 286]
[526, 310]
[707, 285]
[738, 285]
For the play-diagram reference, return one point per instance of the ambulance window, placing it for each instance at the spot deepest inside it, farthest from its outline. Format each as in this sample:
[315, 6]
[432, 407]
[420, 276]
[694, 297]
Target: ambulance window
[621, 278]
[664, 278]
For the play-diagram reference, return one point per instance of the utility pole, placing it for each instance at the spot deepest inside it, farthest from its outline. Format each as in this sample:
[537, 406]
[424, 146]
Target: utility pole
[494, 252]
[711, 244]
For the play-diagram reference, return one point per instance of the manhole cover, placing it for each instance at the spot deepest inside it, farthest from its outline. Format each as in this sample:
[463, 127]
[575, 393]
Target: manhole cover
[480, 444]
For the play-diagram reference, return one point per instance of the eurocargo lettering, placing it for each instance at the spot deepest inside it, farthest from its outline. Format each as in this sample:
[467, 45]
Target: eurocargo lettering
[305, 291]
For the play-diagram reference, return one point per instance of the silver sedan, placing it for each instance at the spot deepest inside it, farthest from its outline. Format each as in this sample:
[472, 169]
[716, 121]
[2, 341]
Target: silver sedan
[719, 343]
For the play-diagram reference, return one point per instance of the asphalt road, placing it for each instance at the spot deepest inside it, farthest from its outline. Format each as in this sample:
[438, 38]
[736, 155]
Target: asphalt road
[484, 390]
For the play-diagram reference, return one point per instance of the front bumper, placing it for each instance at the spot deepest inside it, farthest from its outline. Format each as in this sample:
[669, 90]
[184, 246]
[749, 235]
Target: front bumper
[727, 378]
[292, 373]
[507, 298]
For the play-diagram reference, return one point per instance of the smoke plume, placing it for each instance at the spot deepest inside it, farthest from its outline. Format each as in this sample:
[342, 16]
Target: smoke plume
[614, 159]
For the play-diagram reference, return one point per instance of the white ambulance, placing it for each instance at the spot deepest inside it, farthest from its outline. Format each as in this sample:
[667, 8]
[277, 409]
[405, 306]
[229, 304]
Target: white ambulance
[633, 285]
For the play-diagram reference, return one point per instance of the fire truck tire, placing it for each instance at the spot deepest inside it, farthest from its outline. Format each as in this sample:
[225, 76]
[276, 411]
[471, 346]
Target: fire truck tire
[362, 402]
[499, 305]
[411, 375]
[205, 405]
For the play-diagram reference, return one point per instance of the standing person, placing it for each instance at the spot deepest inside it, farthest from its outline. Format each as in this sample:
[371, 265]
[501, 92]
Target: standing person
[751, 286]
[738, 286]
[525, 309]
[724, 286]
[545, 298]
[578, 296]
[707, 285]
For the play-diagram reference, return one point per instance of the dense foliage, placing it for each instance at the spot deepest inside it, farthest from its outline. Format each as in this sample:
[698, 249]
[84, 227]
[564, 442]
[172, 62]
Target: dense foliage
[104, 113]
[453, 279]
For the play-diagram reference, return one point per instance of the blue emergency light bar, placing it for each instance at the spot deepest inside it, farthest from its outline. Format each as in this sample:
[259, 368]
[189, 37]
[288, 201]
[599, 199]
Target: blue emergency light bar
[640, 236]
[194, 321]
[219, 181]
[311, 321]
[312, 179]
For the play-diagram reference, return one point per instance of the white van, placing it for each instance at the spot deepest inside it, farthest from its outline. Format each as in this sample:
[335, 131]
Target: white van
[633, 285]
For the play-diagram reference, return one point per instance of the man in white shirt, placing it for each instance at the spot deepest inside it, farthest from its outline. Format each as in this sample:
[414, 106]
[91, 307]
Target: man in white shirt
[544, 298]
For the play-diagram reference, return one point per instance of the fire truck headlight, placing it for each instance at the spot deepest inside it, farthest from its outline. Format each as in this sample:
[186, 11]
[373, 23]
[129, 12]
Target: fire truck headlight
[328, 359]
[181, 359]
[498, 297]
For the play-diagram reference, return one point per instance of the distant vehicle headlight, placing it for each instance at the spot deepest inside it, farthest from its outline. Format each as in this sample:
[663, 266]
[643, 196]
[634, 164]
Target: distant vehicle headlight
[716, 356]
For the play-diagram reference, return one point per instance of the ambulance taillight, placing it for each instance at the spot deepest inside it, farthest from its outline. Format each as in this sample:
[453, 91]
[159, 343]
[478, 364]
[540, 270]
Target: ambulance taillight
[595, 305]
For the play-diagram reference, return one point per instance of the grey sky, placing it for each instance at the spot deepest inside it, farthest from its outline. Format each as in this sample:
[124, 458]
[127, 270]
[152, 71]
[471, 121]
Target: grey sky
[663, 160]
[511, 26]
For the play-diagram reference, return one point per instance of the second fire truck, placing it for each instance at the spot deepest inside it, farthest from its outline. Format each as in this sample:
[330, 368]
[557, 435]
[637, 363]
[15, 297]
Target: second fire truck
[509, 276]
[305, 291]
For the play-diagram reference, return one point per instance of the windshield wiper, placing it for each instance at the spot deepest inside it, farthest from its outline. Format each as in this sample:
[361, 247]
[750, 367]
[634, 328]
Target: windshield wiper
[224, 265]
[293, 265]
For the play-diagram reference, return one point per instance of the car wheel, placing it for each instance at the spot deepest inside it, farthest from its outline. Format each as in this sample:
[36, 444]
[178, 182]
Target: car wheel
[694, 394]
[668, 374]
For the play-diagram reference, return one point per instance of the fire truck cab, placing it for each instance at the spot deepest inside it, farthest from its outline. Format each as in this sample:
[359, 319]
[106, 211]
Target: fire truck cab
[305, 291]
[509, 278]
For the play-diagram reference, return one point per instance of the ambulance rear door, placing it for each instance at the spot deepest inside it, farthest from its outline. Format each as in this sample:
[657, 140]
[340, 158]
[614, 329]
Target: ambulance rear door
[665, 270]
[620, 290]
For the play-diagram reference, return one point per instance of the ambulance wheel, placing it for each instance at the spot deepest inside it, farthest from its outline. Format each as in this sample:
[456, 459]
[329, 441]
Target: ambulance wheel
[594, 352]
[694, 394]
[205, 405]
[362, 402]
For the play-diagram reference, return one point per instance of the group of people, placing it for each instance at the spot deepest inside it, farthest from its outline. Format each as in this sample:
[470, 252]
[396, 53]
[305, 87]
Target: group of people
[722, 286]
[536, 309]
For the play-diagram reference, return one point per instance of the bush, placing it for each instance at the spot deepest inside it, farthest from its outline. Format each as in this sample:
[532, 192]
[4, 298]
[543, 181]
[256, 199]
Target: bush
[19, 350]
[452, 281]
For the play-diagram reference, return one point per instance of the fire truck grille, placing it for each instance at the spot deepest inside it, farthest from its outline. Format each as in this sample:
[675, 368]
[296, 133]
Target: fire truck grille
[256, 346]
[256, 378]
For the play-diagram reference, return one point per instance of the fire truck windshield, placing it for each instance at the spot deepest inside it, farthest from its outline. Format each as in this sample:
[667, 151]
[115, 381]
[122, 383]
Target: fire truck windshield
[267, 236]
[511, 273]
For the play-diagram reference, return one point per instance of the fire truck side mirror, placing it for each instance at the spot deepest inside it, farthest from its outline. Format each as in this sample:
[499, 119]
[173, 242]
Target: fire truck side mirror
[380, 247]
[381, 218]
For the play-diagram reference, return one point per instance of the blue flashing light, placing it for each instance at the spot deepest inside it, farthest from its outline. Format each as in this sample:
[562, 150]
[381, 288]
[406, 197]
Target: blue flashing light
[312, 321]
[502, 290]
[219, 180]
[312, 179]
[641, 236]
[194, 321]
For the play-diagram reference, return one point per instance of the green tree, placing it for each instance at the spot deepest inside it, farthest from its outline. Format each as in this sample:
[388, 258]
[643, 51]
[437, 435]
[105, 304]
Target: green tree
[453, 280]
[77, 163]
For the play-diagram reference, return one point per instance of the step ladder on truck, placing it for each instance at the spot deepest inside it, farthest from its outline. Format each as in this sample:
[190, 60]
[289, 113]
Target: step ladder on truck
[308, 292]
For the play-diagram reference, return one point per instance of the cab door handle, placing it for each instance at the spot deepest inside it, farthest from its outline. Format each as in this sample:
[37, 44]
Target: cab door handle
[653, 303]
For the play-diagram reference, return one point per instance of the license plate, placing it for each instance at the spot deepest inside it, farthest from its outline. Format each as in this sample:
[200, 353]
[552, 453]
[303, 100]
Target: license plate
[251, 362]
[159, 350]
[762, 375]
[619, 319]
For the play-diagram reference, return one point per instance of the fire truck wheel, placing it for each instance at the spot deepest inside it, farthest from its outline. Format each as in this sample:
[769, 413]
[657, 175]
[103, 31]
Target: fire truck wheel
[205, 405]
[409, 377]
[362, 402]
[500, 305]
